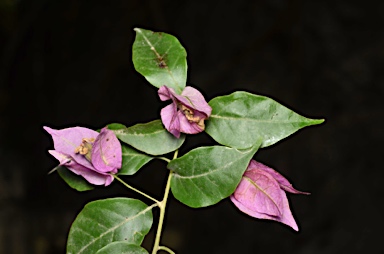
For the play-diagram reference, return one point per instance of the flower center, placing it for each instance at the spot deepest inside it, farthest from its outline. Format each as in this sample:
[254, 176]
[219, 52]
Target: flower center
[85, 148]
[189, 114]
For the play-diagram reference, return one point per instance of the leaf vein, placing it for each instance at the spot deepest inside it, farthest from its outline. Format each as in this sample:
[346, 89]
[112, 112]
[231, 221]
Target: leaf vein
[209, 172]
[114, 228]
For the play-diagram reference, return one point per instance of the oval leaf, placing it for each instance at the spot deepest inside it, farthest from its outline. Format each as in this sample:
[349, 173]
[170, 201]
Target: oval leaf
[241, 118]
[74, 181]
[150, 138]
[160, 58]
[104, 221]
[132, 160]
[206, 175]
[122, 248]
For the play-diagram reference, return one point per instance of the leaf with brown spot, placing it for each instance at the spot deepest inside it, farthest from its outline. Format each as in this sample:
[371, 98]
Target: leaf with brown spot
[160, 58]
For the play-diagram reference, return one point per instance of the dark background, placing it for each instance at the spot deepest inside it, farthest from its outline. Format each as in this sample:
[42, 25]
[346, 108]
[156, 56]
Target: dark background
[68, 63]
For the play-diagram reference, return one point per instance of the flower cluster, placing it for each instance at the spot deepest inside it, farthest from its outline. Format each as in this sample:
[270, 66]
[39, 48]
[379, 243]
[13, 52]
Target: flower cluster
[95, 156]
[261, 194]
[187, 112]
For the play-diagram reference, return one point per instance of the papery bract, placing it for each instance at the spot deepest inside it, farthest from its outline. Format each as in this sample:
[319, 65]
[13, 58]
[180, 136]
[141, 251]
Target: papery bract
[106, 153]
[261, 194]
[187, 112]
[283, 182]
[94, 156]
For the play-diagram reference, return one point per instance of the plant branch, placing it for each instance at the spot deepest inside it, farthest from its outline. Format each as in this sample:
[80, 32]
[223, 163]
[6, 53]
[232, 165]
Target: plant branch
[163, 158]
[166, 249]
[162, 206]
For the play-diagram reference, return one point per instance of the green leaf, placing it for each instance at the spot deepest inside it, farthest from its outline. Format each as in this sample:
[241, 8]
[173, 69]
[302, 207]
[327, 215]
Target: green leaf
[132, 160]
[160, 58]
[241, 118]
[110, 220]
[151, 138]
[115, 126]
[206, 175]
[122, 248]
[74, 181]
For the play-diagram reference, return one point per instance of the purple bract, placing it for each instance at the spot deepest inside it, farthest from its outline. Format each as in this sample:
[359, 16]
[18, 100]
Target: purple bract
[261, 194]
[95, 156]
[187, 112]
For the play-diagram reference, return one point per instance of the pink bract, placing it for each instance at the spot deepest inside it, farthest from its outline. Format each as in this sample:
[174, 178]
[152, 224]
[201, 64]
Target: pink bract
[105, 155]
[261, 194]
[187, 112]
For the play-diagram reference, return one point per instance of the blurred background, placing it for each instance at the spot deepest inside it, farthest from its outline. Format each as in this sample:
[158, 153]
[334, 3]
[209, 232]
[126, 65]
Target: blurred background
[68, 63]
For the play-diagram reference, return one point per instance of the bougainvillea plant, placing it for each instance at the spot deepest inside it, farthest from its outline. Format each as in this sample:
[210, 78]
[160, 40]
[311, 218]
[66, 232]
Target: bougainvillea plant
[241, 123]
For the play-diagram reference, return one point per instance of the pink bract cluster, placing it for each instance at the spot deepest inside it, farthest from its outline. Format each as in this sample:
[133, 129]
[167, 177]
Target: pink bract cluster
[95, 156]
[187, 112]
[261, 194]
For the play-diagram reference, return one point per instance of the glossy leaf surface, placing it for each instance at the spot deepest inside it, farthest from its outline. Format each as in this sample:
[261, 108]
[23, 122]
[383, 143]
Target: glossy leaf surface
[206, 175]
[104, 221]
[132, 160]
[160, 58]
[122, 248]
[150, 138]
[241, 118]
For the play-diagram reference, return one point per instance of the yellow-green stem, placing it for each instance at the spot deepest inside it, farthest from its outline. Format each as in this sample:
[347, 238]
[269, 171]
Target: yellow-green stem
[166, 249]
[136, 190]
[162, 206]
[164, 159]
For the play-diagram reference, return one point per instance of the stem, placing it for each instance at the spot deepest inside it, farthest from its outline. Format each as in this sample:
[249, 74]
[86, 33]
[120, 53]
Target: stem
[162, 206]
[138, 191]
[166, 249]
[163, 158]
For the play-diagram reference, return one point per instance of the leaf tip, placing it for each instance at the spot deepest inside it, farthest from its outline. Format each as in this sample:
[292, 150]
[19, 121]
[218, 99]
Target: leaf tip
[317, 121]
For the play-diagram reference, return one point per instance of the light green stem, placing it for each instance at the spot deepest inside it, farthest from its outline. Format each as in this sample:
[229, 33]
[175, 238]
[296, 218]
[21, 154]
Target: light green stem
[138, 191]
[166, 249]
[162, 206]
[163, 158]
